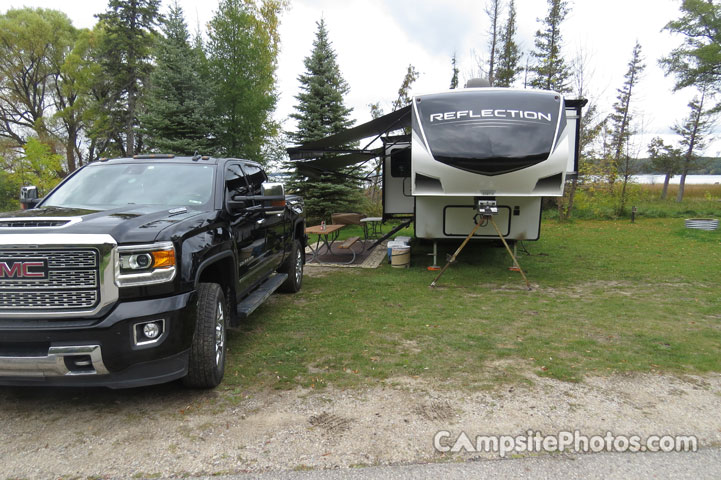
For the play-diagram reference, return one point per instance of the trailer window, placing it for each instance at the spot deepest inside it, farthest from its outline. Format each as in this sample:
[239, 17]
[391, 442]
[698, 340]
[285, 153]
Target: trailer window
[401, 163]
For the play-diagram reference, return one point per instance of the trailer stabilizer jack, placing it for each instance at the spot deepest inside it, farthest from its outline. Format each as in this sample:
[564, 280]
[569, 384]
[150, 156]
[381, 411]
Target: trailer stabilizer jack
[482, 219]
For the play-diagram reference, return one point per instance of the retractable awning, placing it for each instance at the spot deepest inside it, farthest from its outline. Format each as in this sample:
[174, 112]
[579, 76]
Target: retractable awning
[326, 163]
[330, 154]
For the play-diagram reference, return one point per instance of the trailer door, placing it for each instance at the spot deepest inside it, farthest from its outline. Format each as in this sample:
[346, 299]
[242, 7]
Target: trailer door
[397, 198]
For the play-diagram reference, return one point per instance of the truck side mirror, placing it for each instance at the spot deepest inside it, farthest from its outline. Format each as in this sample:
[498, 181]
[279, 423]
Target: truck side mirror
[276, 192]
[29, 197]
[271, 200]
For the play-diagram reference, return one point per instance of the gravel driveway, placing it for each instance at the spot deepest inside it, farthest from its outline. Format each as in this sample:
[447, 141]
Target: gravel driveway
[169, 431]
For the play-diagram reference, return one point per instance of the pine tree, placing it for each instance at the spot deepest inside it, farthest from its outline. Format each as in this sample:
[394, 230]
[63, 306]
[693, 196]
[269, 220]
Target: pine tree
[320, 112]
[102, 136]
[493, 10]
[550, 71]
[665, 159]
[178, 107]
[509, 59]
[622, 116]
[454, 75]
[620, 122]
[320, 109]
[696, 62]
[692, 131]
[404, 91]
[126, 55]
[243, 49]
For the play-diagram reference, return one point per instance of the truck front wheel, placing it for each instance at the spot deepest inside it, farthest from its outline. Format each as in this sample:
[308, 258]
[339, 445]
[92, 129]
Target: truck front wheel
[207, 351]
[293, 266]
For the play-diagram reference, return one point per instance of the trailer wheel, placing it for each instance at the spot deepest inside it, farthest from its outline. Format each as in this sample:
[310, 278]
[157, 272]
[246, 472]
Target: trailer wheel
[293, 266]
[206, 365]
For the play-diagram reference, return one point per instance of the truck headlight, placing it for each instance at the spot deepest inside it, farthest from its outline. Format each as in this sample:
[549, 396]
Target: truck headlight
[145, 264]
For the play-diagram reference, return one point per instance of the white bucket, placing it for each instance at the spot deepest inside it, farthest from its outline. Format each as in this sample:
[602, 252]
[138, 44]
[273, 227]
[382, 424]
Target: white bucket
[391, 245]
[401, 257]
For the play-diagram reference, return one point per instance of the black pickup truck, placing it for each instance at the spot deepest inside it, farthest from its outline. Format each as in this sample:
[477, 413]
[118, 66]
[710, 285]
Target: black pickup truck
[129, 272]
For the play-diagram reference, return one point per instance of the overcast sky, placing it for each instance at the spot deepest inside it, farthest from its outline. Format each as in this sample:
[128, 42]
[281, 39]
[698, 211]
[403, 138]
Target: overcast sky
[375, 40]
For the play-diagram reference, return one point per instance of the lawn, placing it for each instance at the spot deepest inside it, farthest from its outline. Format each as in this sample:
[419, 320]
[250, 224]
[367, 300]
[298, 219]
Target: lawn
[698, 201]
[608, 296]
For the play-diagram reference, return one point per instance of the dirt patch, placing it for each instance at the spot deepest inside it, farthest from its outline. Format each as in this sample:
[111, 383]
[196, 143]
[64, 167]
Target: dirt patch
[54, 433]
[436, 411]
[611, 287]
[312, 270]
[330, 423]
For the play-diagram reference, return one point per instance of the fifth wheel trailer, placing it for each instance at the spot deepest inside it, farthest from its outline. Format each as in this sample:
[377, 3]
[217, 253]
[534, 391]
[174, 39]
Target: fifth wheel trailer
[459, 150]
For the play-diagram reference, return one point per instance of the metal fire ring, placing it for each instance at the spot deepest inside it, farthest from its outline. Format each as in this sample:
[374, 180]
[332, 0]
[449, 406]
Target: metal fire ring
[702, 223]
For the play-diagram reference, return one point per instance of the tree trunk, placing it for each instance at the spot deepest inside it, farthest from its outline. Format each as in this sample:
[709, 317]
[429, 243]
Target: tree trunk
[688, 161]
[559, 207]
[565, 205]
[622, 207]
[129, 132]
[664, 192]
[681, 185]
[571, 196]
[70, 150]
[493, 15]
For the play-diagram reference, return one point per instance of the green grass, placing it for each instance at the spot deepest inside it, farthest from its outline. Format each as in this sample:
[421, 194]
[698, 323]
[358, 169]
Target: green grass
[598, 202]
[610, 296]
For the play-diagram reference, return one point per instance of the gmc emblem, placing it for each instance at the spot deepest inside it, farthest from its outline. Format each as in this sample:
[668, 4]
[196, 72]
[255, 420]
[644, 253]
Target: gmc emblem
[31, 269]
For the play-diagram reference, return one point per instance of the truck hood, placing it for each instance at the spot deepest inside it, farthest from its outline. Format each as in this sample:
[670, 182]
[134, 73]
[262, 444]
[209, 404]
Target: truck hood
[127, 224]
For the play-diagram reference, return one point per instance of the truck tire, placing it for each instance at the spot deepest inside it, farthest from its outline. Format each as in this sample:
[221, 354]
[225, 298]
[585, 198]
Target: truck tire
[206, 365]
[293, 266]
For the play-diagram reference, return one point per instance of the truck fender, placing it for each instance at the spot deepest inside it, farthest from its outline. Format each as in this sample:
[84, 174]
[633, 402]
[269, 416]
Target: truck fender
[214, 259]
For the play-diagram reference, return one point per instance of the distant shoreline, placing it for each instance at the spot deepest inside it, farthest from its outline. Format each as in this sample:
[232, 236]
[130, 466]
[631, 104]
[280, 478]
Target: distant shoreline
[650, 179]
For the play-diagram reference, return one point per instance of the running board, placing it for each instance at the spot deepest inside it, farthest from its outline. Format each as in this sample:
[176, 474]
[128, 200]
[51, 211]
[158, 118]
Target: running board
[260, 295]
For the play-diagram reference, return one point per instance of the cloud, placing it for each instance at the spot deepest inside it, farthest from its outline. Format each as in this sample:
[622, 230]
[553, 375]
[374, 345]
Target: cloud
[439, 28]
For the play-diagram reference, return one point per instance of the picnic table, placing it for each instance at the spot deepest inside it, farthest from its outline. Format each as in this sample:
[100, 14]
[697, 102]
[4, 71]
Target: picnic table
[374, 227]
[327, 234]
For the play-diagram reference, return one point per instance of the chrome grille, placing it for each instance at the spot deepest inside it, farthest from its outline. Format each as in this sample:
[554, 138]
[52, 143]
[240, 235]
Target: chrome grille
[47, 300]
[57, 258]
[57, 280]
[72, 283]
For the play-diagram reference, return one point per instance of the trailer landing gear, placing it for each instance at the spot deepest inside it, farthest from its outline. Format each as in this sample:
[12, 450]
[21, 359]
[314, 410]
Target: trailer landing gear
[486, 210]
[434, 267]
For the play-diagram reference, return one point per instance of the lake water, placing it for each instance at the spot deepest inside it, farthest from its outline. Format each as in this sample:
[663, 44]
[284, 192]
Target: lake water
[675, 180]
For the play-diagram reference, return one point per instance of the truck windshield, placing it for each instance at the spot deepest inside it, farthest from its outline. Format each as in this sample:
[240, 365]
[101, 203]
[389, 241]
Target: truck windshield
[104, 186]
